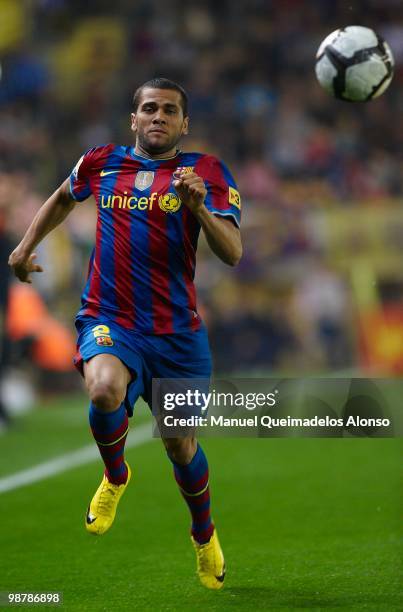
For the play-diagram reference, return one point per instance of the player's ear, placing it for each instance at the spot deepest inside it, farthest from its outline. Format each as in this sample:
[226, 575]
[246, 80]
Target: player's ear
[133, 126]
[185, 127]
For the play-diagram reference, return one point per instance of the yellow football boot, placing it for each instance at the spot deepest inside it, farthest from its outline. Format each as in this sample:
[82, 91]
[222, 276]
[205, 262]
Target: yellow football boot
[102, 509]
[210, 562]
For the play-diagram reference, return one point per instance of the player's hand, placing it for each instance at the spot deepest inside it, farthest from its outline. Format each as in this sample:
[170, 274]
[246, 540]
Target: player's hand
[23, 266]
[191, 190]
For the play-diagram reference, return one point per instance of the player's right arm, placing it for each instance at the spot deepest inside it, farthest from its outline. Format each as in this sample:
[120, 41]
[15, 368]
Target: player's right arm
[49, 216]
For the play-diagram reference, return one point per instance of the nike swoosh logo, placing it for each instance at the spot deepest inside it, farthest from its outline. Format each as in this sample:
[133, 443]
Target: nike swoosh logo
[106, 172]
[221, 578]
[90, 518]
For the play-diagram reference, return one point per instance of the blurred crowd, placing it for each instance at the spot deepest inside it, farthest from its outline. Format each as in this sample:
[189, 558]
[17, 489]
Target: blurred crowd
[302, 160]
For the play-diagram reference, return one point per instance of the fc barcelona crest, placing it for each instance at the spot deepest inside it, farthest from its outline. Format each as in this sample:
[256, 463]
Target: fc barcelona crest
[144, 180]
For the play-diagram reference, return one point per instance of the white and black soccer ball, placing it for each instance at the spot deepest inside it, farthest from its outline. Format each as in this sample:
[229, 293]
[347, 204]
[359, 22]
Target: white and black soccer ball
[354, 64]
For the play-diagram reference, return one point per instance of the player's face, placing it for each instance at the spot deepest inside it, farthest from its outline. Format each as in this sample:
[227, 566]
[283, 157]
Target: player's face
[159, 122]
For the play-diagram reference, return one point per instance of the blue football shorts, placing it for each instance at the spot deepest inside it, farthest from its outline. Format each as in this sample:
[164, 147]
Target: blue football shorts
[166, 356]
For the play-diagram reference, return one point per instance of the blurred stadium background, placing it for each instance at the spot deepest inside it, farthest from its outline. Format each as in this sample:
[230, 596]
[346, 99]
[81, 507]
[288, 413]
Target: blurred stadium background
[319, 289]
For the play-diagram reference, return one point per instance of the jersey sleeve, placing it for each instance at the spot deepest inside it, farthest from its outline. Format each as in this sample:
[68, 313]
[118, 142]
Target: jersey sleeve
[223, 198]
[80, 187]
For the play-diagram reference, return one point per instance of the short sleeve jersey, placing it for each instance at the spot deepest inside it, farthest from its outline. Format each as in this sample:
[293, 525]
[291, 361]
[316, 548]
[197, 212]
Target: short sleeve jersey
[141, 271]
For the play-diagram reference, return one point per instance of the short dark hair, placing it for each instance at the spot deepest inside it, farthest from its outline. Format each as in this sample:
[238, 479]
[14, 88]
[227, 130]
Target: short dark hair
[161, 83]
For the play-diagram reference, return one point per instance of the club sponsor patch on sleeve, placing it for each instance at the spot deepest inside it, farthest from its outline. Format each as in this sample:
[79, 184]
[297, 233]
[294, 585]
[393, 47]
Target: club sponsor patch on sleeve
[234, 197]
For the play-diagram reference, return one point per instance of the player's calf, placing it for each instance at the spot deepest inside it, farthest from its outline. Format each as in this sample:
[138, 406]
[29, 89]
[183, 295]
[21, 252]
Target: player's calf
[192, 476]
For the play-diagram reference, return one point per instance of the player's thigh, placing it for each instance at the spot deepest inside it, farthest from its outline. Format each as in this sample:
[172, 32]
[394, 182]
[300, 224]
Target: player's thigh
[106, 378]
[181, 361]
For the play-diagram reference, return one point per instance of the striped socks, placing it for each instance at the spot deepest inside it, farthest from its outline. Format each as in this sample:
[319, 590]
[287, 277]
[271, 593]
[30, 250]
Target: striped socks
[110, 431]
[193, 481]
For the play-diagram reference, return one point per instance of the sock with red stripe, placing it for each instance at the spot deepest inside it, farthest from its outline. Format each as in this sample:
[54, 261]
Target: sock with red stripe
[193, 481]
[110, 431]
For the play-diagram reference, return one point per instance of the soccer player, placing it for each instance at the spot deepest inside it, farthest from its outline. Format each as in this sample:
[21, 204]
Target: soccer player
[139, 319]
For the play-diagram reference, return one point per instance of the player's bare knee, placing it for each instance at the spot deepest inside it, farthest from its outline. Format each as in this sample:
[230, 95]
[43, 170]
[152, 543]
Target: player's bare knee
[106, 395]
[181, 450]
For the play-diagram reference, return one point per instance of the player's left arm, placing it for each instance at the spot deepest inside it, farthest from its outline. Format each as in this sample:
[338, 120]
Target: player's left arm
[222, 236]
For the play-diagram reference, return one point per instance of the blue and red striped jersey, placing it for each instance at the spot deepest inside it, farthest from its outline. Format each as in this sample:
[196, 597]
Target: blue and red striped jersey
[142, 267]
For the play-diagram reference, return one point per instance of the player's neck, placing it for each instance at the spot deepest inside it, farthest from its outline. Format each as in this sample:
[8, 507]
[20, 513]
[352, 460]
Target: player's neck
[166, 155]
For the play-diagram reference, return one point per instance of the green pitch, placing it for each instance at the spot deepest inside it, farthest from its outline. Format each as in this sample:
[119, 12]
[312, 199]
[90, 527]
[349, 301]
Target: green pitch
[304, 523]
